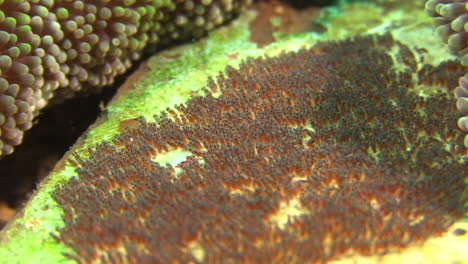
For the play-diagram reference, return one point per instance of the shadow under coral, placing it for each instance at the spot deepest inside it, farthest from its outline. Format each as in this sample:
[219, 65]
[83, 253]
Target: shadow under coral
[56, 129]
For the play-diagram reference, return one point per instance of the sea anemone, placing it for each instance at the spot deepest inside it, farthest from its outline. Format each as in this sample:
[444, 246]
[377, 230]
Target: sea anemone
[450, 18]
[49, 46]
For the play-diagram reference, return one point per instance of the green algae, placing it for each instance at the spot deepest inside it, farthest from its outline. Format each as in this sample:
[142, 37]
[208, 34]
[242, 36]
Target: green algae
[408, 23]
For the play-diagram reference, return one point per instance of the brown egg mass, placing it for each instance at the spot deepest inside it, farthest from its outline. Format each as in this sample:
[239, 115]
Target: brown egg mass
[300, 158]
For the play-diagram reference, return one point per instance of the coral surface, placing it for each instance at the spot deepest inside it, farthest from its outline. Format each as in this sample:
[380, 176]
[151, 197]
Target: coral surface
[289, 160]
[61, 46]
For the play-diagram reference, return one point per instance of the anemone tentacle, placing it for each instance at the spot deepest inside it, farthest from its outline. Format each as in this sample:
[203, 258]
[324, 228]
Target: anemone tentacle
[451, 24]
[65, 45]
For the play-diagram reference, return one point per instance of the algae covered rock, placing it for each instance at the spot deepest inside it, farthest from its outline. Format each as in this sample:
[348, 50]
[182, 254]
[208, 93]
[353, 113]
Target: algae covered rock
[300, 151]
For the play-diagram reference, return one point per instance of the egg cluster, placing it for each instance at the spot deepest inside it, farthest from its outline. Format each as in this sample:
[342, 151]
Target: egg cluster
[69, 44]
[451, 23]
[300, 158]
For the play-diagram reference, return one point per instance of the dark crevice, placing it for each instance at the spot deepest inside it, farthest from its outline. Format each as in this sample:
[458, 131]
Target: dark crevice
[309, 3]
